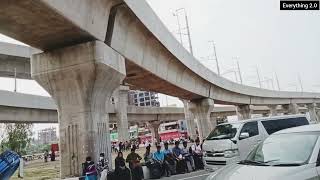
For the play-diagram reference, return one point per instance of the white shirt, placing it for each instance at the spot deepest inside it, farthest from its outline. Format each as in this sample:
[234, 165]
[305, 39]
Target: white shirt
[196, 149]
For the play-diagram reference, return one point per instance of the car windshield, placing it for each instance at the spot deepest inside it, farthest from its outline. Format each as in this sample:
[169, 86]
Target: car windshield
[225, 131]
[292, 149]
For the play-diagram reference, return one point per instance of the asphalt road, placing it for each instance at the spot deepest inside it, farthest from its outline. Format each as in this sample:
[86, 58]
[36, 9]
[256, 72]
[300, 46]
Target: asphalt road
[198, 175]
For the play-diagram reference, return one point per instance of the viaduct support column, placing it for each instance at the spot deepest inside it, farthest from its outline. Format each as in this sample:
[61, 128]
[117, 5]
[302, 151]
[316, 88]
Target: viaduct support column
[191, 126]
[313, 112]
[244, 112]
[213, 121]
[273, 110]
[81, 79]
[121, 114]
[291, 108]
[154, 128]
[201, 110]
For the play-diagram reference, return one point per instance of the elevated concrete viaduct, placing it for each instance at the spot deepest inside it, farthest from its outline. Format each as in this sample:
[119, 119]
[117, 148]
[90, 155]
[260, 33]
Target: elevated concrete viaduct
[91, 47]
[25, 108]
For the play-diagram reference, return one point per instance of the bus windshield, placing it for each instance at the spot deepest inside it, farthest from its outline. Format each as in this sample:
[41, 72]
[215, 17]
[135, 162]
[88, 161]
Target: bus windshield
[224, 131]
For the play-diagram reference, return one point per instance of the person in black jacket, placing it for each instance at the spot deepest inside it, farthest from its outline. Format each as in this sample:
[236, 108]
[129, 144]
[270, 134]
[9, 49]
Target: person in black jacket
[118, 160]
[122, 172]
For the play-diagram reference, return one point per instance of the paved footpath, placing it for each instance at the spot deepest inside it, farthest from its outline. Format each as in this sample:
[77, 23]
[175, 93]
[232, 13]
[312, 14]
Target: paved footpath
[198, 175]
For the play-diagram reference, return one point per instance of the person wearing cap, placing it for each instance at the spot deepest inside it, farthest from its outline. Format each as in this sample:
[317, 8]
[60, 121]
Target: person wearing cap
[134, 164]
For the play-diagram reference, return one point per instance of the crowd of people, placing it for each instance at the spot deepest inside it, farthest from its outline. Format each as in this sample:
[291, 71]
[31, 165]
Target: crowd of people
[163, 162]
[123, 146]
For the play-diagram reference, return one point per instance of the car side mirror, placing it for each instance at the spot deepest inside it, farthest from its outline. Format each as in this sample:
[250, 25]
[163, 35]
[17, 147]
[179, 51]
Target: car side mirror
[244, 135]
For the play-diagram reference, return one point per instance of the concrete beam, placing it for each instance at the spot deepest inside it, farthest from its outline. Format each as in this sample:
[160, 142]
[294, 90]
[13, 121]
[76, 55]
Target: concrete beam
[201, 109]
[27, 115]
[52, 24]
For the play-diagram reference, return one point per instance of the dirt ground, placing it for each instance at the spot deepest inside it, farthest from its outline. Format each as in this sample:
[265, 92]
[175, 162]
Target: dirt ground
[39, 170]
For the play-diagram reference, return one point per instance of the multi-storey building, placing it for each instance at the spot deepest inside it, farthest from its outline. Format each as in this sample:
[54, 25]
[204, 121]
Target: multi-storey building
[47, 136]
[143, 98]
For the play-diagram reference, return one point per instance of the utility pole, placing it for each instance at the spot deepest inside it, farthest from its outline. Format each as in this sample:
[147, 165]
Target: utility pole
[216, 58]
[179, 27]
[259, 79]
[15, 80]
[240, 75]
[187, 28]
[278, 84]
[188, 32]
[299, 77]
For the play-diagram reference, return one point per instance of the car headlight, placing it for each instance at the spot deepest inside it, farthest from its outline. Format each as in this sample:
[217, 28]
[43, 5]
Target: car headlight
[231, 153]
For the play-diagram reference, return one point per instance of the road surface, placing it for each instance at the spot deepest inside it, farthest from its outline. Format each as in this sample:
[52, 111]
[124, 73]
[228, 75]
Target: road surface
[198, 175]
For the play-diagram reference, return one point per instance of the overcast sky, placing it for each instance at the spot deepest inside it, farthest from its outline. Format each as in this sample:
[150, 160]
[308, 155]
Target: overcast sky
[255, 32]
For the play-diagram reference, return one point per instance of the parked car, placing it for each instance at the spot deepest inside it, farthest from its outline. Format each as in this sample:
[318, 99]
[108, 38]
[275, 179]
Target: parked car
[231, 142]
[291, 154]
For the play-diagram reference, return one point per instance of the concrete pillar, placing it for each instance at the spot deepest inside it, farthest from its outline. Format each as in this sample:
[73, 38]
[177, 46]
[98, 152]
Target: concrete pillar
[290, 108]
[191, 126]
[121, 113]
[81, 79]
[313, 112]
[273, 110]
[244, 112]
[318, 114]
[201, 110]
[154, 128]
[213, 121]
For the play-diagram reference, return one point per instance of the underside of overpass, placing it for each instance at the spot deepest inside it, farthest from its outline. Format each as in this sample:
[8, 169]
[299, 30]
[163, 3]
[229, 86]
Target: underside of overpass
[91, 47]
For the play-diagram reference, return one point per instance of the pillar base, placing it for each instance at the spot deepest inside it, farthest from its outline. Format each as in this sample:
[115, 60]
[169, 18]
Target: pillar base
[290, 109]
[202, 109]
[273, 110]
[191, 126]
[122, 114]
[244, 112]
[312, 108]
[154, 128]
[80, 79]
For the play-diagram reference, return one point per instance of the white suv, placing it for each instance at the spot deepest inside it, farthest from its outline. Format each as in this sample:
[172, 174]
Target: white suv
[231, 142]
[291, 154]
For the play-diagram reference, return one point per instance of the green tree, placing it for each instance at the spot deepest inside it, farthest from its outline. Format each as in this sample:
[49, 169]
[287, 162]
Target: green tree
[16, 137]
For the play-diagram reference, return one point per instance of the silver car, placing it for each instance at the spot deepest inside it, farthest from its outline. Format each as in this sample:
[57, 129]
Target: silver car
[291, 154]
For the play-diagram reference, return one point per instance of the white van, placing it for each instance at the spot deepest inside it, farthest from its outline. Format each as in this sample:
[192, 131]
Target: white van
[231, 142]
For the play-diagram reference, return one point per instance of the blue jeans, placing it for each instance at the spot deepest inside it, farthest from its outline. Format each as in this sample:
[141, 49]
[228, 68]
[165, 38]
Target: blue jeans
[91, 177]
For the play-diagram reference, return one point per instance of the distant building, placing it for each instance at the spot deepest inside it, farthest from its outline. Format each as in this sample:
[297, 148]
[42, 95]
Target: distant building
[47, 136]
[143, 98]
